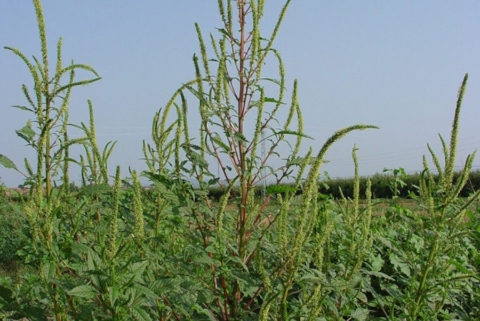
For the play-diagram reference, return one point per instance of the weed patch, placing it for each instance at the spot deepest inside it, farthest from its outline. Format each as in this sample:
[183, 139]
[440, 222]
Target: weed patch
[111, 250]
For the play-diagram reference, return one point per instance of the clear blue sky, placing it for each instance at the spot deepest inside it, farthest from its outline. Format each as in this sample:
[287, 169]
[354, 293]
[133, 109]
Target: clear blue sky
[394, 64]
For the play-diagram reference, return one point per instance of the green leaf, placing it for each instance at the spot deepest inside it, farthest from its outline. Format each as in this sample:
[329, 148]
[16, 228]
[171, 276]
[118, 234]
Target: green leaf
[239, 137]
[377, 263]
[459, 266]
[205, 259]
[197, 159]
[140, 314]
[167, 194]
[292, 132]
[22, 108]
[26, 133]
[137, 270]
[218, 140]
[113, 294]
[146, 291]
[83, 291]
[223, 32]
[275, 81]
[7, 162]
[270, 100]
[359, 314]
[208, 314]
[398, 264]
[384, 241]
[164, 285]
[192, 146]
[239, 261]
[48, 271]
[380, 275]
[265, 100]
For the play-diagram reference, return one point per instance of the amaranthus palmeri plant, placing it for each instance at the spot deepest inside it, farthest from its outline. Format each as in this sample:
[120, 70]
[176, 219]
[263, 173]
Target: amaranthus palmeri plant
[48, 135]
[235, 109]
[445, 222]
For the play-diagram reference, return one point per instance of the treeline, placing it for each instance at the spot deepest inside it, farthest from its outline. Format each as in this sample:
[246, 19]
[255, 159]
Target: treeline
[384, 185]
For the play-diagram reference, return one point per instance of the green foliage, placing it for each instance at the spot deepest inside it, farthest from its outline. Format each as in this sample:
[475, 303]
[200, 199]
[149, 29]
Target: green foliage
[382, 186]
[428, 254]
[12, 237]
[170, 252]
[238, 114]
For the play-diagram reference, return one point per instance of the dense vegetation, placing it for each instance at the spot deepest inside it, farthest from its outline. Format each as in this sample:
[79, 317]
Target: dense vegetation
[115, 251]
[387, 185]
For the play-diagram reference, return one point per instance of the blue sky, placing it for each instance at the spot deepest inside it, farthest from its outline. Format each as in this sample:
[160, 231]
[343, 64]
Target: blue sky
[397, 65]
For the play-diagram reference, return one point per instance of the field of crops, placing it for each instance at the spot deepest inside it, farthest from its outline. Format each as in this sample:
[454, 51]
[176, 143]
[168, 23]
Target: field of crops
[306, 250]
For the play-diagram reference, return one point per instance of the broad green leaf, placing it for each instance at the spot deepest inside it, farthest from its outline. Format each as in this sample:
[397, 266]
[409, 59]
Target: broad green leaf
[218, 140]
[187, 298]
[239, 137]
[160, 183]
[26, 132]
[167, 194]
[205, 259]
[398, 264]
[137, 270]
[241, 281]
[359, 314]
[377, 263]
[163, 285]
[197, 159]
[459, 266]
[113, 295]
[146, 291]
[7, 162]
[210, 182]
[140, 314]
[384, 241]
[211, 249]
[239, 261]
[83, 291]
[418, 243]
[48, 271]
